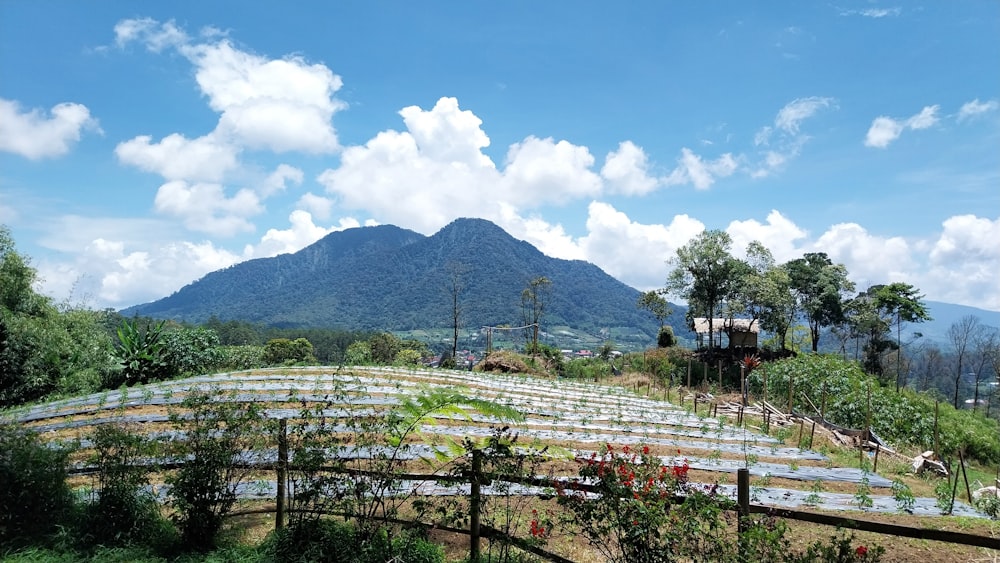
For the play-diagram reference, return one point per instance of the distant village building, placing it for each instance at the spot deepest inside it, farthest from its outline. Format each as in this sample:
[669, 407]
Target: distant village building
[742, 334]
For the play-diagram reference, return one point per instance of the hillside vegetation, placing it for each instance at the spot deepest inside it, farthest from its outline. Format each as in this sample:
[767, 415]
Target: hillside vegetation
[387, 278]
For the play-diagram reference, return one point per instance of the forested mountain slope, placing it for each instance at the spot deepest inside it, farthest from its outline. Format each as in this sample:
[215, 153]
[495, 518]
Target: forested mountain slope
[387, 278]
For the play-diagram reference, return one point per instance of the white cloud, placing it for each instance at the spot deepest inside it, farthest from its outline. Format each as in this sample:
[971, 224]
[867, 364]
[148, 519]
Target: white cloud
[926, 118]
[204, 207]
[175, 157]
[154, 35]
[423, 178]
[964, 261]
[318, 206]
[873, 12]
[118, 274]
[541, 171]
[783, 140]
[278, 180]
[884, 130]
[627, 170]
[276, 104]
[975, 108]
[448, 134]
[795, 112]
[869, 259]
[301, 234]
[634, 253]
[691, 168]
[35, 136]
[778, 234]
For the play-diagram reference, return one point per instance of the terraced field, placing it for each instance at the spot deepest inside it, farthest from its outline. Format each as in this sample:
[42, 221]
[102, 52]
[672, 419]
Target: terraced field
[578, 417]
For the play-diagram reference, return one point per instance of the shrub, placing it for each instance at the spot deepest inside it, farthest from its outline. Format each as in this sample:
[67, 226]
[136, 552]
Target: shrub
[190, 351]
[140, 354]
[221, 438]
[282, 351]
[632, 517]
[241, 357]
[34, 497]
[122, 511]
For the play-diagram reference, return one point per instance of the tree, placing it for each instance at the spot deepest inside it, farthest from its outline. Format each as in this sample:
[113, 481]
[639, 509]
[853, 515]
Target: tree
[456, 285]
[654, 302]
[961, 334]
[534, 298]
[986, 343]
[819, 285]
[702, 274]
[897, 303]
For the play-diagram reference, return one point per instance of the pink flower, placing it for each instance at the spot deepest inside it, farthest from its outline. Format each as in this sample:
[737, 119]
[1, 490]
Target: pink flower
[861, 551]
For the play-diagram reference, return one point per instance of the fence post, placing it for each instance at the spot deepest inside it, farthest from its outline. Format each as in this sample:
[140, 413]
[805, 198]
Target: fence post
[743, 498]
[474, 501]
[279, 513]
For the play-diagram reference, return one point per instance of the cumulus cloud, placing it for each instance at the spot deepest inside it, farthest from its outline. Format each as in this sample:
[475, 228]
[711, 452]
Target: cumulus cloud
[276, 104]
[627, 170]
[318, 206]
[35, 135]
[633, 252]
[541, 171]
[117, 274]
[205, 207]
[884, 130]
[964, 261]
[278, 180]
[175, 157]
[975, 108]
[778, 233]
[435, 171]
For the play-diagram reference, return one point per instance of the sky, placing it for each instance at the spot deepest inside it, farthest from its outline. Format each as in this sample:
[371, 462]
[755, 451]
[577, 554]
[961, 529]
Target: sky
[146, 144]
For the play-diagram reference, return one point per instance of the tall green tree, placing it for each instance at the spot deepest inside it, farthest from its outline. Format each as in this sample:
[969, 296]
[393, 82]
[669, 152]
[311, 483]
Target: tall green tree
[898, 303]
[702, 273]
[819, 287]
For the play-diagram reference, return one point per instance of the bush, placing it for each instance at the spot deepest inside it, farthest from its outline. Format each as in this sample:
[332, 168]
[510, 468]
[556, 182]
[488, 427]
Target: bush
[242, 357]
[34, 497]
[122, 512]
[282, 351]
[220, 438]
[191, 351]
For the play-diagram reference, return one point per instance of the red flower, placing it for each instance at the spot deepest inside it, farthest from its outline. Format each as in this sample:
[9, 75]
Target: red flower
[645, 450]
[625, 449]
[861, 551]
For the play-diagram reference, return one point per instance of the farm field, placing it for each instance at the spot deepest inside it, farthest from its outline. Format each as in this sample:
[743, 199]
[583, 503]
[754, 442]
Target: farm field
[575, 419]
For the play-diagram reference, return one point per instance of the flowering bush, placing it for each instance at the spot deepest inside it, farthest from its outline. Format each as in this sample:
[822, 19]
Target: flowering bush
[629, 514]
[632, 508]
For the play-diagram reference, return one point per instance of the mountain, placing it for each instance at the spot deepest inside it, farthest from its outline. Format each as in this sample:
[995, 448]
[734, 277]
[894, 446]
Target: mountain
[388, 278]
[946, 314]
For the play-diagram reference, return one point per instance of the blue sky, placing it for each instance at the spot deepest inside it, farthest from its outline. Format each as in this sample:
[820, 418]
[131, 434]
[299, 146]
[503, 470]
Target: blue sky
[143, 145]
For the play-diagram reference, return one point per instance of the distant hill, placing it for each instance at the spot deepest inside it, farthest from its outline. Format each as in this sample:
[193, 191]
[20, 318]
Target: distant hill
[946, 314]
[388, 278]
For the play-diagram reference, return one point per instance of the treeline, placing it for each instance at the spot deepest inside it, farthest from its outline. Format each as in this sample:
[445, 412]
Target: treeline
[50, 349]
